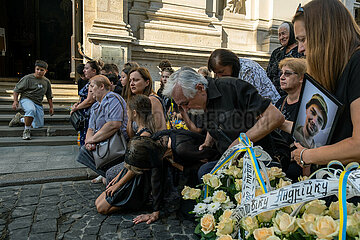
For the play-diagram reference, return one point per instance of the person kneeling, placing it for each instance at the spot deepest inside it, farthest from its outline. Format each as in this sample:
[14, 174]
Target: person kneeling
[142, 174]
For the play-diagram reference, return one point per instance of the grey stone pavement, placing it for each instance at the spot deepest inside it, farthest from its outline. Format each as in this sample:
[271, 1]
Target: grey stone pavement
[37, 203]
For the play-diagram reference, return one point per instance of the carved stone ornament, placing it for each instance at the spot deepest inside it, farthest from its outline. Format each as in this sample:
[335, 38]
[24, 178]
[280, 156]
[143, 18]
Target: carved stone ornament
[236, 6]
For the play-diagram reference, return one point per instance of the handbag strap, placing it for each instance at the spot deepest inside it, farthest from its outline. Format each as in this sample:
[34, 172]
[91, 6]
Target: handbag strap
[283, 103]
[123, 112]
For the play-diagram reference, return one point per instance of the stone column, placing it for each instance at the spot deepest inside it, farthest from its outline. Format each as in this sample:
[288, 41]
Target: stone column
[106, 35]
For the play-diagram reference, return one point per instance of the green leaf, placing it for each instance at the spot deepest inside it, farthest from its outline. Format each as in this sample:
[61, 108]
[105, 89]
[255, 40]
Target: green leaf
[198, 229]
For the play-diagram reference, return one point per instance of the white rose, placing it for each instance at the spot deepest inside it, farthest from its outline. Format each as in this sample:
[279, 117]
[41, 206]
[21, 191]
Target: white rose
[284, 223]
[226, 226]
[220, 197]
[306, 222]
[325, 227]
[207, 223]
[316, 207]
[238, 198]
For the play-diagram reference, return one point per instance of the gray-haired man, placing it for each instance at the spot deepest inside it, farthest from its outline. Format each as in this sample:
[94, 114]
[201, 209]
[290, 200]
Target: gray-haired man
[231, 107]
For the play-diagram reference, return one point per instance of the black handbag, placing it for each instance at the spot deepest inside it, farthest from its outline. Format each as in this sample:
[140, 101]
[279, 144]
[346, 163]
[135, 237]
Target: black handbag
[77, 119]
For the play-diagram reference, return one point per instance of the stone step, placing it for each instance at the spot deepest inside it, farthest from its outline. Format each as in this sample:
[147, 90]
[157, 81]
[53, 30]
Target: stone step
[53, 81]
[55, 130]
[67, 101]
[59, 109]
[11, 85]
[55, 92]
[38, 141]
[48, 120]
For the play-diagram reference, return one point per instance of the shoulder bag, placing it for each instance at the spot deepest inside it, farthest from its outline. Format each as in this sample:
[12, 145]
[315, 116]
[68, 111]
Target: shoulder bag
[112, 148]
[77, 119]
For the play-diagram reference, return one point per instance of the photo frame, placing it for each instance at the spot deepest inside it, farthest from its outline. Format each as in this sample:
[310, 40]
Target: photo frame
[316, 116]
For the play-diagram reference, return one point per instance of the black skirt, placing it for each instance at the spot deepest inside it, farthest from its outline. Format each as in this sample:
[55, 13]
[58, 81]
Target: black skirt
[134, 194]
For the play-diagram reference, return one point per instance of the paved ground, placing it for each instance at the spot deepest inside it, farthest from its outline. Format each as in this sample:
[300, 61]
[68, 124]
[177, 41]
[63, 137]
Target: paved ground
[65, 210]
[38, 158]
[39, 199]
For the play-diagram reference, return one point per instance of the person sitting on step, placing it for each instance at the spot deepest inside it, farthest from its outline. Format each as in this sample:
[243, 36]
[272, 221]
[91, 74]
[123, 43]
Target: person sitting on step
[32, 89]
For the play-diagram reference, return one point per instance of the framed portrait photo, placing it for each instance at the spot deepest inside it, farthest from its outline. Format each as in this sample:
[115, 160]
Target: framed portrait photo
[318, 112]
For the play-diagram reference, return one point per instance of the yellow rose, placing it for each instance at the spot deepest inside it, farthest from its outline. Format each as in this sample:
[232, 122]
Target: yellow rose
[352, 226]
[306, 222]
[214, 182]
[234, 171]
[225, 227]
[325, 227]
[334, 209]
[207, 223]
[263, 233]
[287, 209]
[241, 163]
[258, 192]
[316, 207]
[284, 223]
[266, 216]
[303, 178]
[190, 193]
[220, 197]
[226, 215]
[249, 224]
[225, 237]
[274, 238]
[238, 197]
[206, 178]
[283, 183]
[275, 172]
[238, 184]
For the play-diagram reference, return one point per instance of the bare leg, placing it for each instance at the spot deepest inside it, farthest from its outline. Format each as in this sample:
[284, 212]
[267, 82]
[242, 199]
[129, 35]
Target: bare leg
[28, 121]
[103, 206]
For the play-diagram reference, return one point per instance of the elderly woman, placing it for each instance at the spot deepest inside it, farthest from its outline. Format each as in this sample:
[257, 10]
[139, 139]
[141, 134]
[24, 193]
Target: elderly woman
[332, 50]
[288, 48]
[106, 118]
[291, 78]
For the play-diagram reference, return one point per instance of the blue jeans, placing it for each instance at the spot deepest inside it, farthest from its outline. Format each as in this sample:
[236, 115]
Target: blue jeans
[33, 110]
[205, 168]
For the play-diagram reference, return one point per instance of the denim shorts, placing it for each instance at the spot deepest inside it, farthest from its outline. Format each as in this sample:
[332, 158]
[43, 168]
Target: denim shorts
[33, 110]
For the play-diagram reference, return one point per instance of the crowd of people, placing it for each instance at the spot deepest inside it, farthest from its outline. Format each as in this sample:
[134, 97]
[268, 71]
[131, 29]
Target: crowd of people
[241, 97]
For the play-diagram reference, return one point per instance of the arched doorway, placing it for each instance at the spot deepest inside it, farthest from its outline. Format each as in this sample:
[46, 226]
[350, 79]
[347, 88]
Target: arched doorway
[36, 29]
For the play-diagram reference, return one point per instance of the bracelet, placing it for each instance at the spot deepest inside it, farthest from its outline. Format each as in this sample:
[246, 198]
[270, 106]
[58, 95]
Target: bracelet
[301, 158]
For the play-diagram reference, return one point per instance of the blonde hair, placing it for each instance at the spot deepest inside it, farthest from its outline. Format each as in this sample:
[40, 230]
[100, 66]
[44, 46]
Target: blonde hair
[298, 65]
[101, 79]
[332, 36]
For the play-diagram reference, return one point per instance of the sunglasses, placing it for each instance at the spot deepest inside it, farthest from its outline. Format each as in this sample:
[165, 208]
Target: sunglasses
[299, 9]
[286, 73]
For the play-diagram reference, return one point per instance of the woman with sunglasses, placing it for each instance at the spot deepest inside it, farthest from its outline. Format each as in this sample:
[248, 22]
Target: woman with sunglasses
[330, 39]
[291, 75]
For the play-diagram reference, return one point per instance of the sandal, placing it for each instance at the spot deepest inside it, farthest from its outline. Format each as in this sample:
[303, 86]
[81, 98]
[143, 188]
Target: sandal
[98, 179]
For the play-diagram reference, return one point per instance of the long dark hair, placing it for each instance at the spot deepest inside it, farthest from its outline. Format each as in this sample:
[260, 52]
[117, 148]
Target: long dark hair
[224, 57]
[142, 105]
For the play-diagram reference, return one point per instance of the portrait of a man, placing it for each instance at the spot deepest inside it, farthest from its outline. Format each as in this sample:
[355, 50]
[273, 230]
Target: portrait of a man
[315, 121]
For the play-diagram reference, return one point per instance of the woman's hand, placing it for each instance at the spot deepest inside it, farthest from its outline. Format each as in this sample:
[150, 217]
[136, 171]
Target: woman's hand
[148, 218]
[113, 181]
[295, 155]
[90, 146]
[112, 189]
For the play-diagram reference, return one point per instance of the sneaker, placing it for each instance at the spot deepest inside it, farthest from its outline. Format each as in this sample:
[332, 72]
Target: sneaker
[16, 120]
[26, 134]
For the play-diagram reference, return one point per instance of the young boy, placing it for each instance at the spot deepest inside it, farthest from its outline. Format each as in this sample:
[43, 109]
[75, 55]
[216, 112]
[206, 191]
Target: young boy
[32, 89]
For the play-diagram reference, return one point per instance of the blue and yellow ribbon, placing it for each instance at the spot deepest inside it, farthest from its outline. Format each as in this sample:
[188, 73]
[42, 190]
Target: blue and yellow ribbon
[342, 204]
[247, 147]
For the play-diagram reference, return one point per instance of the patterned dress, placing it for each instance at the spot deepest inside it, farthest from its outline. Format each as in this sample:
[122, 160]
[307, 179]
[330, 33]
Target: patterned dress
[83, 93]
[253, 73]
